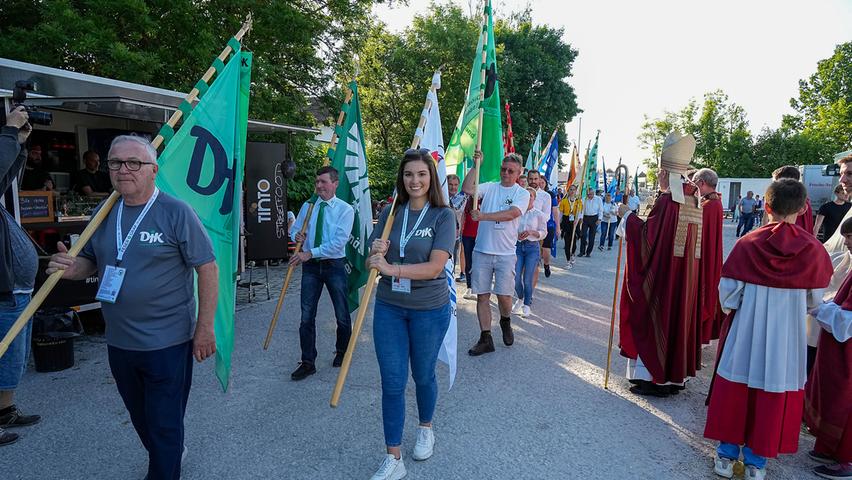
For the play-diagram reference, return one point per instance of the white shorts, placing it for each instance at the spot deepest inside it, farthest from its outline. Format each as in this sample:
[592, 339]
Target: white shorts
[493, 274]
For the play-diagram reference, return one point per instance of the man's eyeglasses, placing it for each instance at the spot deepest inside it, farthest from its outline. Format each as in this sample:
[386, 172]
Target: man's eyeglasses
[132, 165]
[508, 170]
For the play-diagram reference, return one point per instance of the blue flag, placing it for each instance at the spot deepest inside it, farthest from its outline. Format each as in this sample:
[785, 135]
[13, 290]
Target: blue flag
[549, 162]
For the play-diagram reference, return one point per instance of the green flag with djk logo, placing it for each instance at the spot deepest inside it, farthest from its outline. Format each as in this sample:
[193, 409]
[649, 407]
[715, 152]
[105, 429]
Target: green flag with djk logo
[203, 166]
[350, 160]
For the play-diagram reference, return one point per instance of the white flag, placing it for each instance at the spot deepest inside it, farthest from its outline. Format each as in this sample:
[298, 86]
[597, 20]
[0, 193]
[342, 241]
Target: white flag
[433, 140]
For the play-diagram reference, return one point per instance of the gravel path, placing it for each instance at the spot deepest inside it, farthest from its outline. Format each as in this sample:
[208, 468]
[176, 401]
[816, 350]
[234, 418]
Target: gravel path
[536, 410]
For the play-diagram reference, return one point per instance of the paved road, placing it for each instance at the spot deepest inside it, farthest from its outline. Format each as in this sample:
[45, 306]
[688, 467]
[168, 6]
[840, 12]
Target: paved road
[536, 410]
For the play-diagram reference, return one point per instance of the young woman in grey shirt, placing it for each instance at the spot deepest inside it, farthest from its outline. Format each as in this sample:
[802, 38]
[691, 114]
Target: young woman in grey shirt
[412, 310]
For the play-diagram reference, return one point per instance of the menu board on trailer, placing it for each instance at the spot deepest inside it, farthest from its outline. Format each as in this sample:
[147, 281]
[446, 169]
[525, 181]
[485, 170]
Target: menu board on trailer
[35, 206]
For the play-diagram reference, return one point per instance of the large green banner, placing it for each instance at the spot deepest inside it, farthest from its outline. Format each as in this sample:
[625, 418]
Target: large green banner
[203, 166]
[350, 160]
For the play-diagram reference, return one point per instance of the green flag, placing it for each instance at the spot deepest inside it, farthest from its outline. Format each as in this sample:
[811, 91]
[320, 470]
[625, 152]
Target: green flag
[459, 154]
[350, 160]
[203, 166]
[591, 170]
[532, 157]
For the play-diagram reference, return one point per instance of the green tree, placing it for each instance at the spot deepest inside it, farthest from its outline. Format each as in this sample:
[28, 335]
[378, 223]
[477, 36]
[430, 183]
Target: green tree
[824, 105]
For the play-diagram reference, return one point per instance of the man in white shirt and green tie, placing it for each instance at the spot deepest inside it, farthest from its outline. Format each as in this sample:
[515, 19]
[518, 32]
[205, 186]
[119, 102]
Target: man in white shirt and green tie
[323, 259]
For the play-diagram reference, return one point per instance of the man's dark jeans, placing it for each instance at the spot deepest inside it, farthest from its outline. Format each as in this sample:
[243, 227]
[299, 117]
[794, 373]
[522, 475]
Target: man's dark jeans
[468, 243]
[746, 223]
[315, 274]
[590, 230]
[155, 388]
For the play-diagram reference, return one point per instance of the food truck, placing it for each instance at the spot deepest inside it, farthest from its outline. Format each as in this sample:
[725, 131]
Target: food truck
[88, 112]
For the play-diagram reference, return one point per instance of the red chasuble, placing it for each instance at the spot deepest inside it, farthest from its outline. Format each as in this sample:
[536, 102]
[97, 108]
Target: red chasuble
[710, 269]
[659, 306]
[806, 220]
[828, 393]
[779, 255]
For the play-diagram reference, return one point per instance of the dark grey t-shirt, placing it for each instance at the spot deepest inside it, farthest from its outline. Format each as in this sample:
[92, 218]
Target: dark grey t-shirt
[437, 231]
[156, 306]
[24, 256]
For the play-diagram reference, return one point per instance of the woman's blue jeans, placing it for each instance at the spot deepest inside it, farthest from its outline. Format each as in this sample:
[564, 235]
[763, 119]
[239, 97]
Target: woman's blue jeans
[404, 335]
[528, 254]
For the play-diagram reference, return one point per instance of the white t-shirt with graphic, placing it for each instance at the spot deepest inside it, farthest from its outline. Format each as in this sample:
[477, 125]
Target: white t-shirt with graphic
[499, 238]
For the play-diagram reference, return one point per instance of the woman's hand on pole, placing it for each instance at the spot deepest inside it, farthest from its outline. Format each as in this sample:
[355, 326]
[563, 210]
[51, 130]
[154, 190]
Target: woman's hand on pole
[380, 247]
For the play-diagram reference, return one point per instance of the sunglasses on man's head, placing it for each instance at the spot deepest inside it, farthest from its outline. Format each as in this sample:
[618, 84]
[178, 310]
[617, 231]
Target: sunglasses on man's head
[417, 151]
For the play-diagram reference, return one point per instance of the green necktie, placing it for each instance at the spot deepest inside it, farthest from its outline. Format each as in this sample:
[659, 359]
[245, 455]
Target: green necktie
[318, 228]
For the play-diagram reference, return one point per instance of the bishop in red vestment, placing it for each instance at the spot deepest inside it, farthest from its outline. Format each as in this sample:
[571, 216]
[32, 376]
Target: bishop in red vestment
[659, 303]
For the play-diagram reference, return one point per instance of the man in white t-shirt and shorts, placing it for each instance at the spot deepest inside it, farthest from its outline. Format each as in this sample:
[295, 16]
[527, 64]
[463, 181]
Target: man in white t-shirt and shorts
[493, 269]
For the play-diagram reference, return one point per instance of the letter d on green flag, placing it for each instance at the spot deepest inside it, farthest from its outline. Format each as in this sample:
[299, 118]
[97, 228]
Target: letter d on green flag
[203, 166]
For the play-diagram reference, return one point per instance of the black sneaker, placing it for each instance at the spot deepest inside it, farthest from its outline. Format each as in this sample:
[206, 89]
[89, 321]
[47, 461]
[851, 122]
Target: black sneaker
[304, 370]
[547, 271]
[818, 457]
[484, 345]
[338, 360]
[838, 471]
[7, 438]
[460, 278]
[508, 336]
[16, 418]
[600, 248]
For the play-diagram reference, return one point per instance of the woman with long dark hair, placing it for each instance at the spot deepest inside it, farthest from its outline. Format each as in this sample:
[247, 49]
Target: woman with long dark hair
[412, 310]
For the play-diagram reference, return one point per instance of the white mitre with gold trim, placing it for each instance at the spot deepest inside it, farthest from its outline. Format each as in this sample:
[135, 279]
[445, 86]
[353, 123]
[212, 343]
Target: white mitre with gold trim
[677, 153]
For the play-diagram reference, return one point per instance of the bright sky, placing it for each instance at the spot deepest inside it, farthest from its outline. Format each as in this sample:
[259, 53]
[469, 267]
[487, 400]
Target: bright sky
[645, 57]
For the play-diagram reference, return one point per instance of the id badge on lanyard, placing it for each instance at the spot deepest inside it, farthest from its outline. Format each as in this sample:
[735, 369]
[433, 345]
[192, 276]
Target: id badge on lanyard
[398, 284]
[113, 277]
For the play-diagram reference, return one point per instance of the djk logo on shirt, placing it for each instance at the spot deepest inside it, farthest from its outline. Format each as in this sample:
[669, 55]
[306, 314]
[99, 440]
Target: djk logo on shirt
[424, 232]
[151, 237]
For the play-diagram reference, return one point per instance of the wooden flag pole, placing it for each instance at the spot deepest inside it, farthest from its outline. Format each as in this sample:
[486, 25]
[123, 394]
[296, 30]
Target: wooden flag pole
[612, 317]
[482, 85]
[99, 217]
[580, 194]
[371, 280]
[303, 231]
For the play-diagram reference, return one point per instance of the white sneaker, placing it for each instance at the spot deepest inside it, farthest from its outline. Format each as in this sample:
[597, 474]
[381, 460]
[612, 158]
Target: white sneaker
[754, 473]
[724, 467]
[525, 311]
[390, 469]
[425, 443]
[516, 308]
[469, 295]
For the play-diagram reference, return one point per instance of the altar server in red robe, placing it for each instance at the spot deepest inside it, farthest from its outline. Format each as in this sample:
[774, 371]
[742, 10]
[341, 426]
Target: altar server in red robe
[828, 396]
[770, 279]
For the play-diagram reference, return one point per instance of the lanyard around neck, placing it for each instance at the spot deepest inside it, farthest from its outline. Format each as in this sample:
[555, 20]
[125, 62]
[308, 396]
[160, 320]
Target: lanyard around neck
[123, 245]
[403, 238]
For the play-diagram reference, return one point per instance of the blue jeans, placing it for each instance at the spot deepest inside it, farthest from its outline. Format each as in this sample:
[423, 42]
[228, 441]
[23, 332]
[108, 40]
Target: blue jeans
[404, 335]
[746, 222]
[732, 452]
[315, 274]
[468, 243]
[14, 362]
[528, 254]
[155, 388]
[608, 233]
